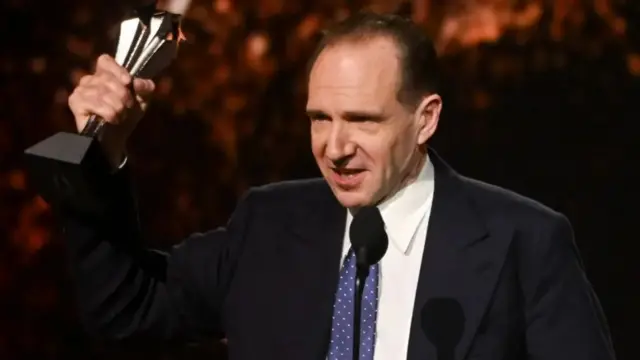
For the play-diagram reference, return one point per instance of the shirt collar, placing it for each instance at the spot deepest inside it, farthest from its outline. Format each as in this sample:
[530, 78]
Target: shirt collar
[403, 212]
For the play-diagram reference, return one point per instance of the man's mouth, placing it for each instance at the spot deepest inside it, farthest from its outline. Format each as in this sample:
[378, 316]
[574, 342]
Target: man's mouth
[347, 172]
[347, 178]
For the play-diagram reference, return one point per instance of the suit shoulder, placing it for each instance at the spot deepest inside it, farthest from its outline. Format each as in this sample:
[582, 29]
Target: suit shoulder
[291, 190]
[495, 200]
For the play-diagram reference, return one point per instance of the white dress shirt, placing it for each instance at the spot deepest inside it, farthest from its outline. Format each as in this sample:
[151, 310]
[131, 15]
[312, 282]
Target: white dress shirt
[406, 216]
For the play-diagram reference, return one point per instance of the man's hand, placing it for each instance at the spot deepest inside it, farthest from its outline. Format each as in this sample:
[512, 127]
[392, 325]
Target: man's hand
[108, 94]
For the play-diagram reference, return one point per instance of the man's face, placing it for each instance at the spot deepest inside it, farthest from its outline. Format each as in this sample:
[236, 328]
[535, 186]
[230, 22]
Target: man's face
[364, 140]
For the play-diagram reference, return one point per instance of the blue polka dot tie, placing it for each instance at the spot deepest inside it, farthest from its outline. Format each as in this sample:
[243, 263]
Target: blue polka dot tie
[342, 346]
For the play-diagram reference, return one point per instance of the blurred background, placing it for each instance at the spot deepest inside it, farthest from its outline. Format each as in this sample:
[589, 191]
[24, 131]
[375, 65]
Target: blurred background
[540, 97]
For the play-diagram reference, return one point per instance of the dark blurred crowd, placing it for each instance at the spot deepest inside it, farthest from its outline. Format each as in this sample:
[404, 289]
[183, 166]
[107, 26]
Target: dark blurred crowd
[540, 97]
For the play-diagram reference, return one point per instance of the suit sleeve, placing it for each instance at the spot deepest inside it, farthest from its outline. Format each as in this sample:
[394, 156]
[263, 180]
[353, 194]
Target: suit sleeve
[563, 314]
[126, 291]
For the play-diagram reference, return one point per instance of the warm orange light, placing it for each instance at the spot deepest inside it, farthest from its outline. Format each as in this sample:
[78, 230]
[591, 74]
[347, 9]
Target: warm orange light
[633, 63]
[181, 36]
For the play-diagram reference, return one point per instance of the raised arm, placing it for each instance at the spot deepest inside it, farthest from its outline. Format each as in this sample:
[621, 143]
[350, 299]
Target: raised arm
[125, 290]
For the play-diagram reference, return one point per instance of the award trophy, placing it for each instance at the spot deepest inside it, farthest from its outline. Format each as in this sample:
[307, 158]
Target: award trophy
[70, 170]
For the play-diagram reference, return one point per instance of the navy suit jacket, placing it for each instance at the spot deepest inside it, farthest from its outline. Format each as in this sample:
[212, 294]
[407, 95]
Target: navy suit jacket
[267, 279]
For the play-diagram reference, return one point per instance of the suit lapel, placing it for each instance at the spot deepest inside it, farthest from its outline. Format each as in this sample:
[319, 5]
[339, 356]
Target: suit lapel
[318, 231]
[461, 264]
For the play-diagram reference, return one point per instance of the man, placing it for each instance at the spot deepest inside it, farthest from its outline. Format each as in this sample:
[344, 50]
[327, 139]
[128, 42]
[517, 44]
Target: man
[472, 271]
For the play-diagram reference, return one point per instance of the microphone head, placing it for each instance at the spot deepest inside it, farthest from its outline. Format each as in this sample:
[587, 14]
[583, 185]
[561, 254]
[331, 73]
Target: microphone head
[368, 238]
[443, 322]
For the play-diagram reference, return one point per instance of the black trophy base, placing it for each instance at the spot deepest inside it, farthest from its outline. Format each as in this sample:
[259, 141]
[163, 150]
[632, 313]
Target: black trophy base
[69, 171]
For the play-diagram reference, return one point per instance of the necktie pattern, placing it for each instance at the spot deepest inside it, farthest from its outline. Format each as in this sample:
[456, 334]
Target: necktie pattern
[342, 346]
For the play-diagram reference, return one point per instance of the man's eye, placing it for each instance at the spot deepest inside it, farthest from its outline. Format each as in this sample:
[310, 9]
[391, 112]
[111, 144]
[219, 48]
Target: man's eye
[361, 118]
[364, 118]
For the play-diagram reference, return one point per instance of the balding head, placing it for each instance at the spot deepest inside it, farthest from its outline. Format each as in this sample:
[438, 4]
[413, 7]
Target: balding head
[414, 49]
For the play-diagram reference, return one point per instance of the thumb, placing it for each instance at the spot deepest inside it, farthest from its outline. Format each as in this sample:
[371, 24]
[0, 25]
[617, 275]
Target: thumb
[143, 87]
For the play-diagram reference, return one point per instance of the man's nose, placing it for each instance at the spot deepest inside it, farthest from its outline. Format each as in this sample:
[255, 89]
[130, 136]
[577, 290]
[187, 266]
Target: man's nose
[340, 145]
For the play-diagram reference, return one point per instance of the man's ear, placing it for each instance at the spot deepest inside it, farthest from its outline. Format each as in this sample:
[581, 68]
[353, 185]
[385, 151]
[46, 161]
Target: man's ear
[427, 115]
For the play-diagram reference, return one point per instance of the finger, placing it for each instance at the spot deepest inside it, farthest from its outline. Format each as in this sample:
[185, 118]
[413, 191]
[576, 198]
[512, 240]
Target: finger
[143, 87]
[77, 103]
[85, 80]
[107, 64]
[121, 92]
[106, 112]
[81, 107]
[116, 103]
[90, 104]
[79, 110]
[109, 83]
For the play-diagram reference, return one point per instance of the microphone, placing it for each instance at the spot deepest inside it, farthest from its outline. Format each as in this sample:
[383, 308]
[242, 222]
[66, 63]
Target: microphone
[443, 323]
[369, 242]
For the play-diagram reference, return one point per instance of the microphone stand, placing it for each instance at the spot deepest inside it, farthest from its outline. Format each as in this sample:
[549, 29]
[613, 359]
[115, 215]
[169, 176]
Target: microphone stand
[369, 242]
[362, 272]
